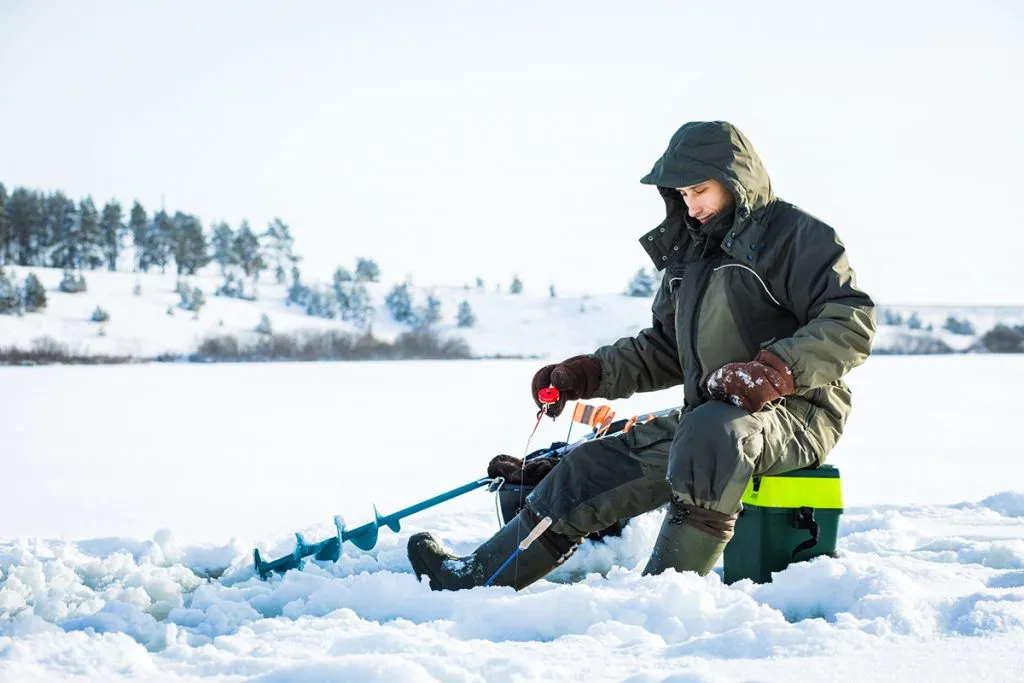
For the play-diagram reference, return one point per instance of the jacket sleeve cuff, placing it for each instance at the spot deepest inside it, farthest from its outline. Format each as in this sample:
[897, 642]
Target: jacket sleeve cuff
[605, 388]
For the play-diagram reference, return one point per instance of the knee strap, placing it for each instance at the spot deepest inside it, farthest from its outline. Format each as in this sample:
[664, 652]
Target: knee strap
[716, 524]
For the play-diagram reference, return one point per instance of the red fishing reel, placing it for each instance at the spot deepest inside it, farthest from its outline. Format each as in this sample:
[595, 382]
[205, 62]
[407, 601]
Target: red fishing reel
[548, 396]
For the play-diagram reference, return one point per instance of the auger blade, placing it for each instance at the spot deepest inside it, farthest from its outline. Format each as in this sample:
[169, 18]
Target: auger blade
[329, 550]
[363, 537]
[390, 521]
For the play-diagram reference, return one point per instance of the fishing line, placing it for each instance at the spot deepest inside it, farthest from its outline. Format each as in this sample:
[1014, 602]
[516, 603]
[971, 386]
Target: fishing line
[547, 397]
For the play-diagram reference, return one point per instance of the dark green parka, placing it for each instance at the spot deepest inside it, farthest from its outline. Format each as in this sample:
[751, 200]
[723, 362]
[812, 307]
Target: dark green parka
[778, 279]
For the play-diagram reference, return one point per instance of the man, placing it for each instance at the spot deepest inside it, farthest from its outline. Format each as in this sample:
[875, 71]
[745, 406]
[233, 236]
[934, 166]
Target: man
[758, 317]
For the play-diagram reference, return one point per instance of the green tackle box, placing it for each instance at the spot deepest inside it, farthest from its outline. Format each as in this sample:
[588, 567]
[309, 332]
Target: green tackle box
[786, 518]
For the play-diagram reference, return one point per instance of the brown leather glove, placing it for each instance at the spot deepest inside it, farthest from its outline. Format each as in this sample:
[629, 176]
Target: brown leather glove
[575, 378]
[513, 471]
[752, 385]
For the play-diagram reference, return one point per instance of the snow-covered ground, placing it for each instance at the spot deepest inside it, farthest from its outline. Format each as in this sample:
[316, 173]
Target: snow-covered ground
[126, 487]
[528, 324]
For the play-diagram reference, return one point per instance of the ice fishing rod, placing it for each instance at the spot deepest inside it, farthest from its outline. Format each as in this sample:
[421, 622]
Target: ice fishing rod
[548, 396]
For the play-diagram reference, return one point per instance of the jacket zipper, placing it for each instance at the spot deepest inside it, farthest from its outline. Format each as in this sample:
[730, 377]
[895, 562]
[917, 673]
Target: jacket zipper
[702, 284]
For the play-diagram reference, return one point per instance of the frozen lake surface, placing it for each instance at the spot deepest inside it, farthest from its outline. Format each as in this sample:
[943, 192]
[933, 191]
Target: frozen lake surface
[124, 485]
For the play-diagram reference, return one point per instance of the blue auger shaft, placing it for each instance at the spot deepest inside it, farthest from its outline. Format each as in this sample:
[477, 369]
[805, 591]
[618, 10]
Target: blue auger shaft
[431, 502]
[364, 537]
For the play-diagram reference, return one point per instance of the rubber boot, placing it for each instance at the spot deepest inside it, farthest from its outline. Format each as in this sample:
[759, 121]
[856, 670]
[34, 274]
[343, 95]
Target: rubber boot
[446, 571]
[683, 547]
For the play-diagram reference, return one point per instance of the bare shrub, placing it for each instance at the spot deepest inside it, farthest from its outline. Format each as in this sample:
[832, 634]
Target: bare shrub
[314, 345]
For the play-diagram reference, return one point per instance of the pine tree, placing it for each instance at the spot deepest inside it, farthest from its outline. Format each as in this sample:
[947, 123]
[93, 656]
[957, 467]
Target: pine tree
[33, 294]
[111, 233]
[190, 248]
[47, 236]
[320, 303]
[642, 284]
[234, 288]
[158, 243]
[341, 287]
[5, 229]
[956, 326]
[10, 302]
[914, 322]
[138, 227]
[99, 315]
[162, 244]
[264, 326]
[192, 299]
[341, 274]
[63, 225]
[248, 253]
[25, 226]
[90, 246]
[551, 291]
[517, 285]
[223, 244]
[431, 312]
[367, 270]
[360, 310]
[890, 317]
[464, 317]
[297, 292]
[280, 249]
[71, 283]
[399, 304]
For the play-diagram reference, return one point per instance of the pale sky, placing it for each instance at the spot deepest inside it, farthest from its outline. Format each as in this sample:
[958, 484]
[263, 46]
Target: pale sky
[448, 140]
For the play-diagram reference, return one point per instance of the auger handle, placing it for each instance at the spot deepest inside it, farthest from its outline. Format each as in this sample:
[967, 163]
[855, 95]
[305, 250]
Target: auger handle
[541, 527]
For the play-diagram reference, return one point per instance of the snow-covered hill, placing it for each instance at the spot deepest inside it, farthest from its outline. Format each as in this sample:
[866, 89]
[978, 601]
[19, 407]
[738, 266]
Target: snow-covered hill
[149, 323]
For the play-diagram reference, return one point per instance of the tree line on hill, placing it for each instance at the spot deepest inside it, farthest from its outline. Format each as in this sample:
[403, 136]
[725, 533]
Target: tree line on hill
[51, 230]
[54, 231]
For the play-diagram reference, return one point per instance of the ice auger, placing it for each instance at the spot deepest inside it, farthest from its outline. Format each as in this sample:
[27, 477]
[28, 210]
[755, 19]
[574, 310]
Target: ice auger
[365, 537]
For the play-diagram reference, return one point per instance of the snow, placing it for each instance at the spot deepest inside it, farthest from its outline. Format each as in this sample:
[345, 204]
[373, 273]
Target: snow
[135, 495]
[507, 324]
[139, 326]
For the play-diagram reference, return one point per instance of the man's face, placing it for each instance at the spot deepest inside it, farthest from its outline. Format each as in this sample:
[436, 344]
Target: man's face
[706, 199]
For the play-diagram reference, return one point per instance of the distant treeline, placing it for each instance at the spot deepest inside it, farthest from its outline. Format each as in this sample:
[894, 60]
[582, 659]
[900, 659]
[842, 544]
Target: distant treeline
[1000, 339]
[54, 231]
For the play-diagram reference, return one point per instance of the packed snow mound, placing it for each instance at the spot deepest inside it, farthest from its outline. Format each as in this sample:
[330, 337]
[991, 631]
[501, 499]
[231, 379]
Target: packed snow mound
[914, 573]
[1009, 503]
